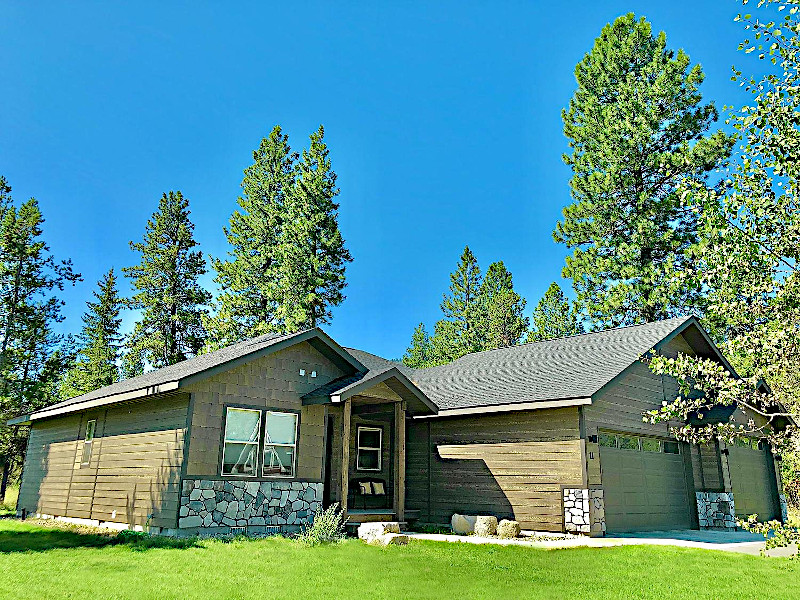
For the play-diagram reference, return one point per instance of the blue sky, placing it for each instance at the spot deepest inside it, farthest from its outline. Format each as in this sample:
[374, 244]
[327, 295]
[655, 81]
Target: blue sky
[443, 121]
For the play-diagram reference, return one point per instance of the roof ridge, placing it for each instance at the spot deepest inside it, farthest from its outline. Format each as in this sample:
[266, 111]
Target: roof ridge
[565, 337]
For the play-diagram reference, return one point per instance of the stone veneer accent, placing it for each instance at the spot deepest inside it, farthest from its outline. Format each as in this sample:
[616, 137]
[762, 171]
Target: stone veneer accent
[584, 511]
[784, 508]
[260, 506]
[715, 510]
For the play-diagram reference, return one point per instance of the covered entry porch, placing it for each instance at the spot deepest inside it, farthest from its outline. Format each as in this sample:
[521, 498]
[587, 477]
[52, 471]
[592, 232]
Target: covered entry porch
[365, 442]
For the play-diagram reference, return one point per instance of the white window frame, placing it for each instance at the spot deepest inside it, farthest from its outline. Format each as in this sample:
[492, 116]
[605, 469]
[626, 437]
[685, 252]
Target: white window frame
[359, 448]
[225, 441]
[293, 446]
[86, 455]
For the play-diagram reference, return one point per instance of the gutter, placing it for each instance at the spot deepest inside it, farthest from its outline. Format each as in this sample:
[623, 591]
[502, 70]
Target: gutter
[512, 407]
[54, 411]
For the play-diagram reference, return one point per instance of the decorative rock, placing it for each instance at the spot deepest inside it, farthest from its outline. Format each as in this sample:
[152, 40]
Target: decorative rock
[485, 526]
[370, 531]
[463, 524]
[389, 539]
[508, 529]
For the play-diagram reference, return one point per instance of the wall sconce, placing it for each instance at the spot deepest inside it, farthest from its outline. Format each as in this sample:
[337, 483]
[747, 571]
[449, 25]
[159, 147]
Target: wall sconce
[592, 439]
[725, 451]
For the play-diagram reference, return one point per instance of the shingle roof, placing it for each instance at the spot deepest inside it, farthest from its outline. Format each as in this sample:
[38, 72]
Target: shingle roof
[564, 368]
[180, 370]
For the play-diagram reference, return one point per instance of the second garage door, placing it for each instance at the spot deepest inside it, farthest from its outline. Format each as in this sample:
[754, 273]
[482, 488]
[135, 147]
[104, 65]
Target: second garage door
[644, 484]
[752, 480]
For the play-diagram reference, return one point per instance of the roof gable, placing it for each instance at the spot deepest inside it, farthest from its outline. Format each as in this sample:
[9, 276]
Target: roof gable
[205, 365]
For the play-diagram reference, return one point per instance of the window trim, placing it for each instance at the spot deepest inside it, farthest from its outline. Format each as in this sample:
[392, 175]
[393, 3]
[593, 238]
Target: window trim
[86, 457]
[225, 440]
[296, 416]
[359, 448]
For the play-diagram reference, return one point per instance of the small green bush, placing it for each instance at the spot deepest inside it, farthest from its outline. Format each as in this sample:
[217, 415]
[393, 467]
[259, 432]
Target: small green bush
[328, 527]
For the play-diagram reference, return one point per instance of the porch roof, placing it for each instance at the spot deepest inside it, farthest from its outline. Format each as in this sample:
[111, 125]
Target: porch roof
[348, 386]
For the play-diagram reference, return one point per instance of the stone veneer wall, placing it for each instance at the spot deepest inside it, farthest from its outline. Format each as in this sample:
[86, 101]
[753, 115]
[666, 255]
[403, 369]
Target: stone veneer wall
[784, 508]
[584, 511]
[715, 510]
[213, 506]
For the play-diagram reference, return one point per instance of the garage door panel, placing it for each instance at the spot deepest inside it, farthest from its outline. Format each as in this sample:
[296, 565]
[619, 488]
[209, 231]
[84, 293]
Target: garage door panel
[752, 483]
[644, 490]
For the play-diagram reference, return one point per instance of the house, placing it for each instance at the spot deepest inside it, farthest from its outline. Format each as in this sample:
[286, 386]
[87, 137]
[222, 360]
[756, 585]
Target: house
[260, 435]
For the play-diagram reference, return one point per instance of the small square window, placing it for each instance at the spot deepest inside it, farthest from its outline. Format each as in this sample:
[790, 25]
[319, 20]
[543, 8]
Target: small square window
[607, 440]
[650, 445]
[628, 442]
[671, 447]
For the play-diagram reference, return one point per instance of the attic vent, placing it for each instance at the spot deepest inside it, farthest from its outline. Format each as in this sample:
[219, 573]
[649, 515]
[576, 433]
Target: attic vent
[302, 372]
[313, 373]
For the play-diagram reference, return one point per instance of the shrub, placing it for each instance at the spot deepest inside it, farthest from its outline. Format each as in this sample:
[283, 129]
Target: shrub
[328, 527]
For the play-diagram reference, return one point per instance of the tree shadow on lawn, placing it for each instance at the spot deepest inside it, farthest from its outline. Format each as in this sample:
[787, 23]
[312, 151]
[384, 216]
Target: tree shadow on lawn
[46, 538]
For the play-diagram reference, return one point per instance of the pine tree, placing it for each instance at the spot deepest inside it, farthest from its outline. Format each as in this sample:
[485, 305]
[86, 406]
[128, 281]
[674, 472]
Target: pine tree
[637, 129]
[99, 342]
[554, 317]
[167, 290]
[503, 322]
[419, 353]
[33, 357]
[250, 278]
[459, 333]
[311, 250]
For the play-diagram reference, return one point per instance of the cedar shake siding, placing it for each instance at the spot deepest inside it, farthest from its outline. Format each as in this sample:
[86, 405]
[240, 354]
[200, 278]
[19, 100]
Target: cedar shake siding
[512, 465]
[133, 473]
[272, 382]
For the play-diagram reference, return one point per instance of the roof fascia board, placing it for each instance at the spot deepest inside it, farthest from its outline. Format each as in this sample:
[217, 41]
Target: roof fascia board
[513, 407]
[145, 392]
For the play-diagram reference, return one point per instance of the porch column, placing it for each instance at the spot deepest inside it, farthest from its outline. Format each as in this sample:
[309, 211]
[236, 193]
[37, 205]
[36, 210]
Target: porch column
[400, 460]
[346, 410]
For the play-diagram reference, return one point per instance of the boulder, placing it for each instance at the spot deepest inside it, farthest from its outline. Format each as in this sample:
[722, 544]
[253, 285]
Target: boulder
[371, 531]
[485, 526]
[508, 529]
[463, 524]
[389, 539]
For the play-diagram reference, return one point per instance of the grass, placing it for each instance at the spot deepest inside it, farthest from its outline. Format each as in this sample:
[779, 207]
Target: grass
[44, 562]
[9, 507]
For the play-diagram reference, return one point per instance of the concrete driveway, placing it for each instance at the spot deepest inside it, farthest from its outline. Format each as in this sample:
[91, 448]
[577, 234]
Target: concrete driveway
[727, 541]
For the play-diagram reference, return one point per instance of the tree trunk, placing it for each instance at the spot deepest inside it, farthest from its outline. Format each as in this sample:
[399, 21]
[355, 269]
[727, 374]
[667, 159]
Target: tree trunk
[4, 481]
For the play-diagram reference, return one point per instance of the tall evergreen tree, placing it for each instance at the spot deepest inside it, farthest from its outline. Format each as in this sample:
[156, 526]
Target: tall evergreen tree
[32, 356]
[311, 250]
[99, 342]
[250, 278]
[503, 322]
[554, 317]
[459, 333]
[419, 353]
[172, 301]
[638, 132]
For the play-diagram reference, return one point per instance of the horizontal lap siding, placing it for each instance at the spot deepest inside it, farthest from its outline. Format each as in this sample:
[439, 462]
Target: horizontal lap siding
[274, 382]
[48, 466]
[133, 471]
[137, 462]
[512, 465]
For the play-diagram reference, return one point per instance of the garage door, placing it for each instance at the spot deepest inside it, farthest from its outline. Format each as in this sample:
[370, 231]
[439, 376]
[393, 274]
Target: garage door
[752, 480]
[644, 483]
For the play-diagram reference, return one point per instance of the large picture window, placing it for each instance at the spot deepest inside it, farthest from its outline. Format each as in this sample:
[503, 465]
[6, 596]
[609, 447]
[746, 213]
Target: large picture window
[280, 444]
[242, 437]
[369, 448]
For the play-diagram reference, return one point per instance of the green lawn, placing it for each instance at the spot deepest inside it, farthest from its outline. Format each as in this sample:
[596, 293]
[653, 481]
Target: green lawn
[9, 507]
[38, 562]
